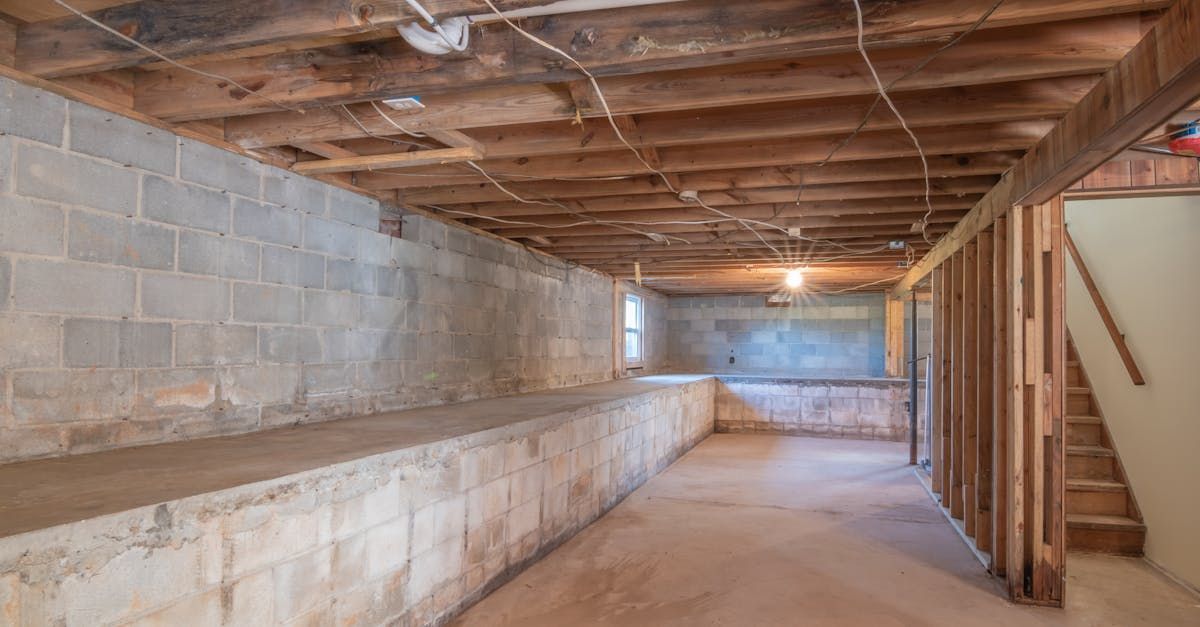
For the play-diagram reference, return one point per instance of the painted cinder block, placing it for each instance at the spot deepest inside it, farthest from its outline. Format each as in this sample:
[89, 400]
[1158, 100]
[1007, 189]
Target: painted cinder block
[266, 222]
[28, 341]
[256, 302]
[182, 204]
[214, 167]
[31, 113]
[215, 345]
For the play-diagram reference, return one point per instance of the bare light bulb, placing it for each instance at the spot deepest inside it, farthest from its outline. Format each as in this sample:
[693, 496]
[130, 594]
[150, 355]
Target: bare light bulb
[794, 279]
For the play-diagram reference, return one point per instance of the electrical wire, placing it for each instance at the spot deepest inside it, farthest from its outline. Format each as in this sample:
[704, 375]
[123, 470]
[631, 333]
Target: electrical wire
[883, 92]
[609, 114]
[162, 57]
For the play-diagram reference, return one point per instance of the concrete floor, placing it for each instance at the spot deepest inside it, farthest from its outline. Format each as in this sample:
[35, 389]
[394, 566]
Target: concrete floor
[763, 530]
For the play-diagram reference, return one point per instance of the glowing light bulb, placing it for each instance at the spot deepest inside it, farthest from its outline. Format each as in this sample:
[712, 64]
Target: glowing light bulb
[795, 278]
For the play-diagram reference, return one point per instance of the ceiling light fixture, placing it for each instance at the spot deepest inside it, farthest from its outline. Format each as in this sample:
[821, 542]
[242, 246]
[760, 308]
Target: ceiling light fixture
[794, 279]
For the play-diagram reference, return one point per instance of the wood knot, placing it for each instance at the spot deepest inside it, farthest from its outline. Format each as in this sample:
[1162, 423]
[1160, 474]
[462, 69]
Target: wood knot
[366, 12]
[584, 38]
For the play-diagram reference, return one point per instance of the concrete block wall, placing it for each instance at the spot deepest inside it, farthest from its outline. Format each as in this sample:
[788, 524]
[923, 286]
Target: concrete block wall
[819, 336]
[402, 538]
[865, 409]
[156, 288]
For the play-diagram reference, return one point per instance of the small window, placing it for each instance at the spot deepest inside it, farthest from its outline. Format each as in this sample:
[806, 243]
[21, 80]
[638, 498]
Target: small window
[633, 330]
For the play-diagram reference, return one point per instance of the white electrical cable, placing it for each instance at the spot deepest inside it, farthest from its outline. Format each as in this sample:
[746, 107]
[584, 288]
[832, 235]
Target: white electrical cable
[444, 43]
[904, 124]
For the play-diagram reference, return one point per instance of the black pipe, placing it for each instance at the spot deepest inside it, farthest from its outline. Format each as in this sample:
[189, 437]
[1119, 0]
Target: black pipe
[912, 385]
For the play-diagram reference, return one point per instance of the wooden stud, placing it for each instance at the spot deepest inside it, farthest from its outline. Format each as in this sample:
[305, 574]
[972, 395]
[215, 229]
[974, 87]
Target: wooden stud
[894, 337]
[957, 365]
[933, 383]
[1000, 398]
[946, 377]
[984, 480]
[969, 373]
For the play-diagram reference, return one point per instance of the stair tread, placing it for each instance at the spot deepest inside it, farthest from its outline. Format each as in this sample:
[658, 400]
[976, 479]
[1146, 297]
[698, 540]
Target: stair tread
[1104, 521]
[1077, 389]
[1087, 449]
[1095, 485]
[1085, 420]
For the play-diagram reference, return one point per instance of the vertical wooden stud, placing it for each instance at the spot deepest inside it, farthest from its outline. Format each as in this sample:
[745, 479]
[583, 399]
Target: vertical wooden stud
[983, 394]
[956, 378]
[1000, 394]
[894, 337]
[970, 366]
[934, 384]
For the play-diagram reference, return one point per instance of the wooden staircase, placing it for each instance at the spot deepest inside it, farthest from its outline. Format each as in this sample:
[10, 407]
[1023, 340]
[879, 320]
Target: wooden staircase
[1102, 515]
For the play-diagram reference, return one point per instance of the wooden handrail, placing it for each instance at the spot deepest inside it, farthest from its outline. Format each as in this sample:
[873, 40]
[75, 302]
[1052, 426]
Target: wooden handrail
[1117, 337]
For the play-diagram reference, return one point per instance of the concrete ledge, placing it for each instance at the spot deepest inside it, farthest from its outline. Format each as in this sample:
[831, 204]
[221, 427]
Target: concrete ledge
[860, 408]
[395, 518]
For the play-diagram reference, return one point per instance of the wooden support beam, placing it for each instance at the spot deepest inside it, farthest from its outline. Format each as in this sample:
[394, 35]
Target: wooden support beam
[983, 387]
[937, 393]
[945, 379]
[1160, 76]
[970, 383]
[894, 337]
[957, 380]
[770, 71]
[1000, 398]
[1035, 568]
[398, 160]
[70, 45]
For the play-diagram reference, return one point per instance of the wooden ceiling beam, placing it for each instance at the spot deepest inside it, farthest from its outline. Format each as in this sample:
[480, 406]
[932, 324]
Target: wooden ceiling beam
[1039, 51]
[868, 145]
[837, 173]
[1159, 77]
[71, 45]
[1007, 102]
[412, 158]
[836, 192]
[692, 232]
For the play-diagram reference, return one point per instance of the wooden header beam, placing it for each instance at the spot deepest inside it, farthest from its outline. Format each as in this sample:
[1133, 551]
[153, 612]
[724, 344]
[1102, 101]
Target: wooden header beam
[1160, 76]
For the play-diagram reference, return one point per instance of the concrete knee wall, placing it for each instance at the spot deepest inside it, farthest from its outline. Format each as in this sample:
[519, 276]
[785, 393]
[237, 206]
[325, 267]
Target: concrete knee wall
[866, 409]
[405, 538]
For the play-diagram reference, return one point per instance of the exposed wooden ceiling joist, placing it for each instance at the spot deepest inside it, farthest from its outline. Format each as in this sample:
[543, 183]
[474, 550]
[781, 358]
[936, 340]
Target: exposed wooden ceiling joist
[1160, 76]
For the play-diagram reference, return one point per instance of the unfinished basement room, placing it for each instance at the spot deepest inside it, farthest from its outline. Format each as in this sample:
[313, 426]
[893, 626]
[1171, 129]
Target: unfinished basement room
[570, 313]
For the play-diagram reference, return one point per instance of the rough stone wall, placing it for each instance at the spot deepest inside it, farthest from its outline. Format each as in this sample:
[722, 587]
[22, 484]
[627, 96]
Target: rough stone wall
[404, 538]
[867, 409]
[156, 288]
[819, 336]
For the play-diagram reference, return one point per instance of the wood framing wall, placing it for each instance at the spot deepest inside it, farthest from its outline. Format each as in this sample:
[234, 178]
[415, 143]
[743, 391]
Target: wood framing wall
[999, 397]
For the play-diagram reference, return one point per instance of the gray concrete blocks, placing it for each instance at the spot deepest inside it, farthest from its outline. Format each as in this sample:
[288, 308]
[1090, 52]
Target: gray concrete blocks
[214, 167]
[102, 134]
[91, 183]
[31, 226]
[173, 202]
[294, 191]
[28, 341]
[91, 343]
[291, 267]
[54, 396]
[334, 309]
[200, 253]
[183, 297]
[31, 113]
[215, 344]
[175, 281]
[73, 288]
[120, 241]
[266, 303]
[352, 208]
[266, 222]
[290, 345]
[330, 237]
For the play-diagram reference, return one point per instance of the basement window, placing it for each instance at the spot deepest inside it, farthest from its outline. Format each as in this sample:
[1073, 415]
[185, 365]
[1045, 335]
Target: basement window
[633, 330]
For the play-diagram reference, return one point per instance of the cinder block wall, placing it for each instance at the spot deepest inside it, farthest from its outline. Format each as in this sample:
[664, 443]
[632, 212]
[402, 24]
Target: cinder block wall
[819, 336]
[841, 408]
[403, 538]
[156, 288]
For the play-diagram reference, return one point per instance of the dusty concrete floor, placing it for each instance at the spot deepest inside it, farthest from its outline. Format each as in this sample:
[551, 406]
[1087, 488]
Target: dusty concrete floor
[762, 530]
